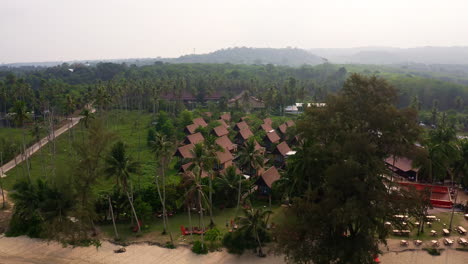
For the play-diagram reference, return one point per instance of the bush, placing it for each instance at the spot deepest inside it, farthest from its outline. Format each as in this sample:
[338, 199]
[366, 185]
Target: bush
[213, 236]
[199, 248]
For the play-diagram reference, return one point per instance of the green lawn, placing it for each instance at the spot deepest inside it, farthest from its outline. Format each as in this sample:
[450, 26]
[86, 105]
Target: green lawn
[130, 127]
[153, 228]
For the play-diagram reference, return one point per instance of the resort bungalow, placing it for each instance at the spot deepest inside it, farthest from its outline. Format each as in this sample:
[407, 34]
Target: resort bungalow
[220, 131]
[281, 152]
[190, 129]
[185, 169]
[242, 136]
[194, 138]
[226, 117]
[403, 167]
[241, 125]
[270, 139]
[267, 121]
[184, 152]
[266, 127]
[200, 121]
[266, 180]
[283, 128]
[226, 143]
[224, 159]
[223, 123]
[290, 123]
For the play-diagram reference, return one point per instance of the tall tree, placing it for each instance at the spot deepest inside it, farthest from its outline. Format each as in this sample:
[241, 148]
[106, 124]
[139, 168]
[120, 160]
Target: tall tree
[121, 166]
[254, 222]
[250, 157]
[338, 218]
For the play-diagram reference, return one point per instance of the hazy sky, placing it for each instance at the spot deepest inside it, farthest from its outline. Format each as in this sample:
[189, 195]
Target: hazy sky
[49, 30]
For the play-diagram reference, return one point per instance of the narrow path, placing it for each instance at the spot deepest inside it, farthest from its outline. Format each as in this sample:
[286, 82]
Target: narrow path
[34, 148]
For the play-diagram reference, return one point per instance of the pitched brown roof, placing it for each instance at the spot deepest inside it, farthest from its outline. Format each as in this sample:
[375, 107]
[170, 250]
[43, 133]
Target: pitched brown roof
[241, 125]
[402, 163]
[272, 137]
[226, 117]
[191, 128]
[224, 156]
[267, 121]
[282, 128]
[185, 151]
[200, 121]
[185, 168]
[270, 176]
[245, 133]
[223, 123]
[258, 147]
[194, 138]
[290, 123]
[266, 127]
[220, 131]
[226, 143]
[223, 171]
[208, 114]
[283, 148]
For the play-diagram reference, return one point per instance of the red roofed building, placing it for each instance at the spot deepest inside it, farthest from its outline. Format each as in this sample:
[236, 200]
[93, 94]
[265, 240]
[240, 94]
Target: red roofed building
[241, 100]
[220, 131]
[184, 152]
[200, 121]
[185, 169]
[226, 143]
[270, 139]
[194, 138]
[267, 121]
[242, 136]
[224, 158]
[190, 129]
[281, 151]
[226, 117]
[266, 180]
[266, 127]
[241, 125]
[290, 123]
[283, 128]
[223, 123]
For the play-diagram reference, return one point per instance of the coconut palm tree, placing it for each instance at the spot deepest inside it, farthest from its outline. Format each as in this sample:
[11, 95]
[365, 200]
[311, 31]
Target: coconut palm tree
[231, 181]
[201, 162]
[121, 166]
[254, 223]
[212, 158]
[250, 158]
[87, 116]
[162, 148]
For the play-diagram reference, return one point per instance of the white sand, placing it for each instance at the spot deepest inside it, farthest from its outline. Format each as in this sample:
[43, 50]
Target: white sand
[20, 250]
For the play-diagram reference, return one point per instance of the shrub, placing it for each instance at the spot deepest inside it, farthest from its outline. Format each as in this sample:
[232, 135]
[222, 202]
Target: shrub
[199, 248]
[213, 236]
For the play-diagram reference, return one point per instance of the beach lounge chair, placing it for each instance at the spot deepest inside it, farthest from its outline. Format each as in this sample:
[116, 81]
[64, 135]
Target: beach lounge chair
[184, 231]
[418, 242]
[396, 232]
[433, 233]
[434, 243]
[404, 243]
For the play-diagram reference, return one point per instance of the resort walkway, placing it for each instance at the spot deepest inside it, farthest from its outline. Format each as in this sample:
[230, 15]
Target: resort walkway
[34, 148]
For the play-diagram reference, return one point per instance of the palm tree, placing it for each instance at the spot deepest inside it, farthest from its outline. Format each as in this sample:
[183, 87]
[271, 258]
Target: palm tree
[200, 163]
[162, 148]
[230, 182]
[121, 166]
[460, 169]
[211, 148]
[254, 222]
[250, 158]
[87, 116]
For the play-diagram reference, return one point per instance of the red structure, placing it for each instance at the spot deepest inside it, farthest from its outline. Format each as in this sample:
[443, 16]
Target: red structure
[440, 195]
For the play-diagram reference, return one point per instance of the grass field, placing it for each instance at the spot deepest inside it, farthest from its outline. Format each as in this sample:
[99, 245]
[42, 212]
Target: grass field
[130, 127]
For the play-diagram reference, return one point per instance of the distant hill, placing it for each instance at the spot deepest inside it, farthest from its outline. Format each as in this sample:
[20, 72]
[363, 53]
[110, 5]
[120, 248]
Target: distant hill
[286, 56]
[385, 55]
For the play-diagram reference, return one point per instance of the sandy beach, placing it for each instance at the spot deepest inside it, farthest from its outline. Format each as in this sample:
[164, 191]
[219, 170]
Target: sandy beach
[21, 250]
